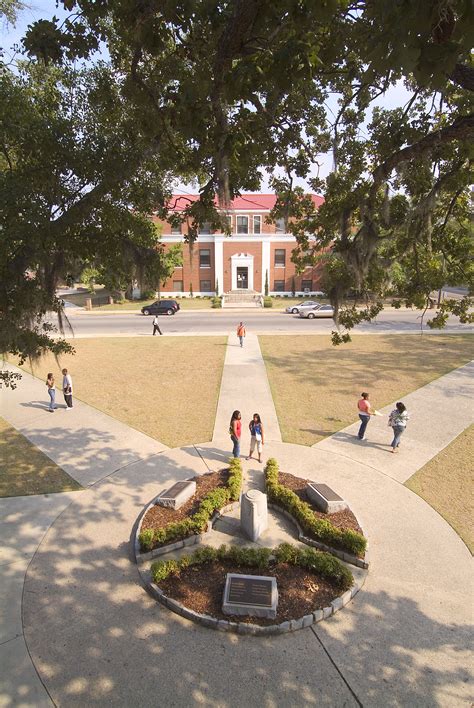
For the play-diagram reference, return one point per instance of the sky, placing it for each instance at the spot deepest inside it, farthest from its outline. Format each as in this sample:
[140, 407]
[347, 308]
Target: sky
[46, 9]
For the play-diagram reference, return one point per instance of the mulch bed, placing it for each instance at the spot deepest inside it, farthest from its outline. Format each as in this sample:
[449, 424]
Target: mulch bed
[201, 588]
[158, 516]
[340, 519]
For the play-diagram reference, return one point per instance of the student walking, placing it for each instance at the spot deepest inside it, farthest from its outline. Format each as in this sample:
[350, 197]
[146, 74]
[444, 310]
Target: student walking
[241, 333]
[156, 327]
[256, 436]
[52, 392]
[235, 431]
[67, 388]
[365, 411]
[397, 420]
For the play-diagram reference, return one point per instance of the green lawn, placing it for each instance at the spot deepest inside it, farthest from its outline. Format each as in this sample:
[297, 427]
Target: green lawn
[167, 387]
[188, 303]
[315, 385]
[447, 483]
[25, 470]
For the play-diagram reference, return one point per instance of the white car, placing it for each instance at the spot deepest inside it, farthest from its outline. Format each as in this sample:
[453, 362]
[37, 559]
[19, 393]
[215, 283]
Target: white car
[319, 311]
[306, 305]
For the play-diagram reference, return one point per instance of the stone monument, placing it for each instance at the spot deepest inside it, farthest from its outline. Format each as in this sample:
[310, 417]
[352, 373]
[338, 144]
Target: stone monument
[253, 513]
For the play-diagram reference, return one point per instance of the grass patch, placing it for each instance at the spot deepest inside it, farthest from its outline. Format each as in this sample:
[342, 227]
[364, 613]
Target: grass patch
[165, 387]
[184, 303]
[447, 483]
[25, 470]
[315, 386]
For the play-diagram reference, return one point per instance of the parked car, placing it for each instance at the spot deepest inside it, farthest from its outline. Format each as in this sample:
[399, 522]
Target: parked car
[161, 307]
[295, 309]
[319, 311]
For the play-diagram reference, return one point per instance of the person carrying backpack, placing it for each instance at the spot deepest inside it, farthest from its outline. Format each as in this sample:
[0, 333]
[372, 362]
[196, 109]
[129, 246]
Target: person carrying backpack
[241, 333]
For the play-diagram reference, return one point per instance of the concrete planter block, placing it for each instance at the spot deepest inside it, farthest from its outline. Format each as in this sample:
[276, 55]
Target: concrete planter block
[325, 498]
[347, 597]
[250, 595]
[177, 495]
[308, 620]
[284, 626]
[337, 604]
[253, 514]
[296, 624]
[354, 590]
[223, 626]
[327, 612]
[207, 620]
[318, 615]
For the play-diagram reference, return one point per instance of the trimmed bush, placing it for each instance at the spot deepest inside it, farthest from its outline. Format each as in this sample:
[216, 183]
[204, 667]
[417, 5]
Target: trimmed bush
[196, 524]
[216, 303]
[315, 561]
[321, 529]
[267, 302]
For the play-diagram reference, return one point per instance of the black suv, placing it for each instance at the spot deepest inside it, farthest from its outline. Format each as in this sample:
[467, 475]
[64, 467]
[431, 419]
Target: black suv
[161, 307]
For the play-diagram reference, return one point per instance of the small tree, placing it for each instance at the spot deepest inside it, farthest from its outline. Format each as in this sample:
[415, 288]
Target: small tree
[217, 287]
[89, 277]
[191, 293]
[293, 286]
[266, 284]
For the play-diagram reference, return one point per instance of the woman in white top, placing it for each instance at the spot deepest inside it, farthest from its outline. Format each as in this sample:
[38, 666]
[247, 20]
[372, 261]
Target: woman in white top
[398, 422]
[52, 392]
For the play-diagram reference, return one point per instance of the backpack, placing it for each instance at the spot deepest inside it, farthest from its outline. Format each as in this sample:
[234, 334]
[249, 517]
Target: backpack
[231, 430]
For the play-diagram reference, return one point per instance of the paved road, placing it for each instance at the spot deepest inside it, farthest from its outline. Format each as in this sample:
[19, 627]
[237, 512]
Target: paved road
[214, 322]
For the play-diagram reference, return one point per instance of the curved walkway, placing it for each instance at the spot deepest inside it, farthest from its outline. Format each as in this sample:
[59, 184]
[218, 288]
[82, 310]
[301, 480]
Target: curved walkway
[96, 638]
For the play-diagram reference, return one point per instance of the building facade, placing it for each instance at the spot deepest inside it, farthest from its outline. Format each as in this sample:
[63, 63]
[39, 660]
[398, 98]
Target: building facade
[242, 261]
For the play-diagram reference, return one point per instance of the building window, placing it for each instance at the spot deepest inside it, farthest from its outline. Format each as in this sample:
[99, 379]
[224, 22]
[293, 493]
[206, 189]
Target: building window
[280, 255]
[204, 258]
[205, 286]
[242, 224]
[280, 227]
[178, 286]
[307, 285]
[228, 218]
[257, 224]
[176, 230]
[205, 228]
[279, 286]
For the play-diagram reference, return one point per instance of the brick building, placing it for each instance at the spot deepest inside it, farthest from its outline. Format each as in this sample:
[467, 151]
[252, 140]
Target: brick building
[238, 262]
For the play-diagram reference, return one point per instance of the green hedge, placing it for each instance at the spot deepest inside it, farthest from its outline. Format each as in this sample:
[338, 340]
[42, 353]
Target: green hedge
[267, 302]
[321, 529]
[324, 564]
[196, 524]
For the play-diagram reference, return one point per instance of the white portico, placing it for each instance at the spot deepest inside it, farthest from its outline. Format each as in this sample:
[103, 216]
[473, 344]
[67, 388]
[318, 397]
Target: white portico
[242, 271]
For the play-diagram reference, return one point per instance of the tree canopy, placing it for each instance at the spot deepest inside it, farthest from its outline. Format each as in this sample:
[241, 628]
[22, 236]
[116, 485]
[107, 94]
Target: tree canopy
[221, 92]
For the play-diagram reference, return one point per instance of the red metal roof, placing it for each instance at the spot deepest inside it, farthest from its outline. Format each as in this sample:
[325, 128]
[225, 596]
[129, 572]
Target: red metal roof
[263, 202]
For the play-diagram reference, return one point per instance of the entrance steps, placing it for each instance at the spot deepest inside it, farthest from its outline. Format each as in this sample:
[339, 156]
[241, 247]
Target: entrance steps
[242, 298]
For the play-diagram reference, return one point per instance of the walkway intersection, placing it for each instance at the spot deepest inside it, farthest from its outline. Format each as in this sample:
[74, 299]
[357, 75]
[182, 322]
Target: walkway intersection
[79, 629]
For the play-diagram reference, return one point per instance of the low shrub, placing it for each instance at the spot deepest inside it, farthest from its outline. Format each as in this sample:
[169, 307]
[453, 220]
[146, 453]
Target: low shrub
[196, 524]
[148, 295]
[320, 529]
[267, 302]
[216, 303]
[315, 561]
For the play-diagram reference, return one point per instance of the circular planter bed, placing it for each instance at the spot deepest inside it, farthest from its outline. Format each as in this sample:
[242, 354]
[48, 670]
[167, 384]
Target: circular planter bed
[162, 529]
[312, 585]
[339, 533]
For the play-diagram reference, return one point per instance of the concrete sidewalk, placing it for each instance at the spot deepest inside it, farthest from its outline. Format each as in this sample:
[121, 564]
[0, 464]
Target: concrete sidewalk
[96, 638]
[85, 442]
[245, 387]
[439, 412]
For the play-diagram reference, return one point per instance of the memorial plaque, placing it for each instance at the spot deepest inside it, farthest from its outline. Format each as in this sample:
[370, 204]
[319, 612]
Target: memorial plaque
[327, 492]
[254, 595]
[325, 498]
[178, 494]
[250, 591]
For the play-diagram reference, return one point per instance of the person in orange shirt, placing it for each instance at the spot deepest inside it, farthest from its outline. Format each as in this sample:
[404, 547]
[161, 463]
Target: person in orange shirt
[365, 411]
[241, 333]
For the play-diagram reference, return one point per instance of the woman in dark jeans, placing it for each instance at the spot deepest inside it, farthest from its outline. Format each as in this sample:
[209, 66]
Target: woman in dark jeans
[398, 422]
[235, 430]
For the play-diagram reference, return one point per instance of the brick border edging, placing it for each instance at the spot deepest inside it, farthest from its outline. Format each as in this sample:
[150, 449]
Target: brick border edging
[347, 557]
[254, 629]
[195, 539]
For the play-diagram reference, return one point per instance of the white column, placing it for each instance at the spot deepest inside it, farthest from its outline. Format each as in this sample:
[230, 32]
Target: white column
[265, 263]
[219, 262]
